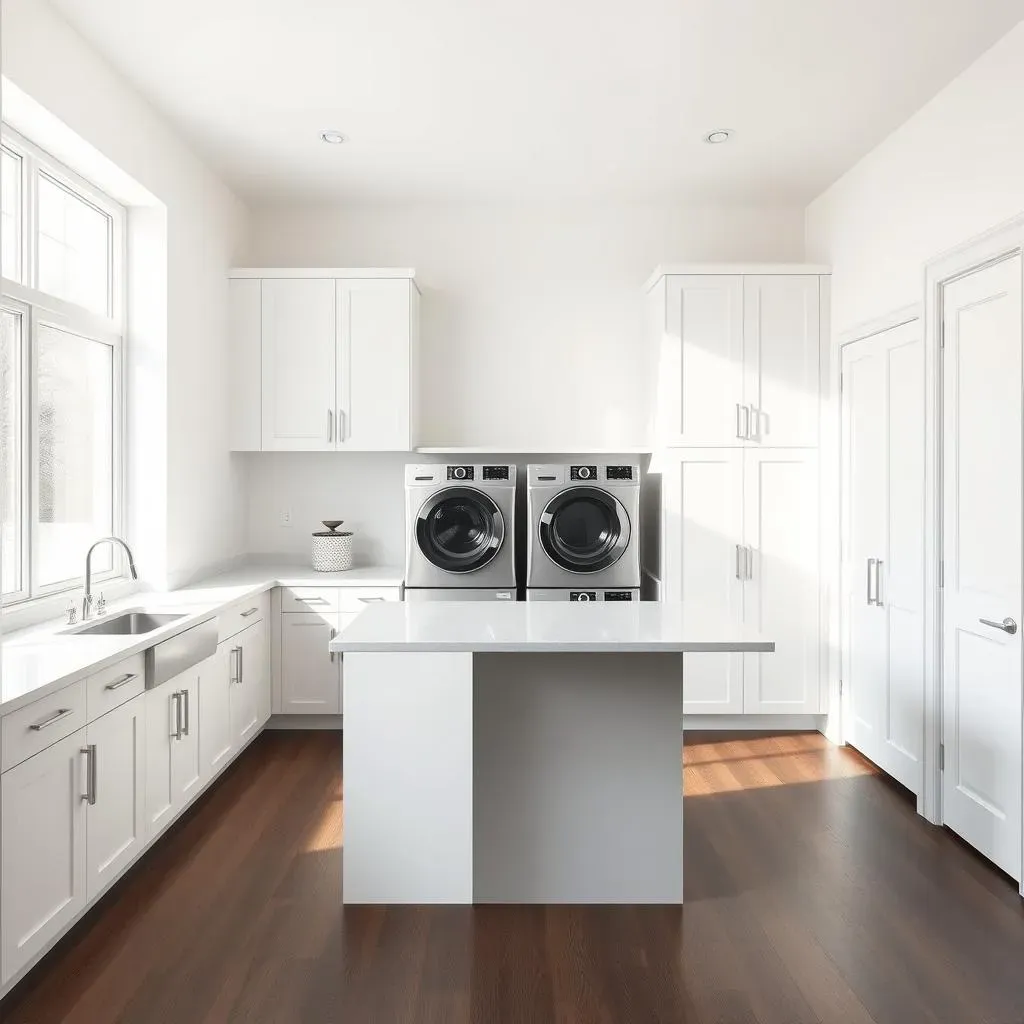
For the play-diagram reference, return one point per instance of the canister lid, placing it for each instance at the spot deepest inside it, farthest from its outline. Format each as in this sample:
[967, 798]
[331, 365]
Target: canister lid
[332, 529]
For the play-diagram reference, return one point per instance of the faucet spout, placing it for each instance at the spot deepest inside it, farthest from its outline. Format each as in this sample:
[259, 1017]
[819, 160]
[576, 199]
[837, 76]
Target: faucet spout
[87, 599]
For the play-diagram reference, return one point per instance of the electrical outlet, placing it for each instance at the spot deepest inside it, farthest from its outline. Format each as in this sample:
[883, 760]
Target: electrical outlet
[286, 517]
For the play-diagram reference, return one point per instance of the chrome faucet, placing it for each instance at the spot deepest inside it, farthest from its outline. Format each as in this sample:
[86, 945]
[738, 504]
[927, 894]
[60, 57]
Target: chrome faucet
[87, 600]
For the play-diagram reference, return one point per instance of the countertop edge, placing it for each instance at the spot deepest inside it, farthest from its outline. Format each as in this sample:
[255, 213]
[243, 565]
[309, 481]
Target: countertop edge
[552, 647]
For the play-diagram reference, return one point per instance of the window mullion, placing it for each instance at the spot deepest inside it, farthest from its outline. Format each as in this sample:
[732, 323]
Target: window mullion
[30, 249]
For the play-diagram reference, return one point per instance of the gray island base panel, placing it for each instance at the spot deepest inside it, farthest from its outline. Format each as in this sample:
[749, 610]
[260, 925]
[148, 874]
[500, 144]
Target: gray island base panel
[524, 753]
[513, 778]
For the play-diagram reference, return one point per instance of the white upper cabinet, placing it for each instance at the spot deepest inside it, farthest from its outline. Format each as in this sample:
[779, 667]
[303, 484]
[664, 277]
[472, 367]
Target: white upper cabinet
[323, 361]
[781, 340]
[374, 365]
[739, 357]
[299, 358]
[700, 384]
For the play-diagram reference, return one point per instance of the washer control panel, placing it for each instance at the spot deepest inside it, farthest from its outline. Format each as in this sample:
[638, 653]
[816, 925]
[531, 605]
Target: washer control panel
[583, 472]
[618, 595]
[495, 472]
[460, 472]
[582, 595]
[619, 472]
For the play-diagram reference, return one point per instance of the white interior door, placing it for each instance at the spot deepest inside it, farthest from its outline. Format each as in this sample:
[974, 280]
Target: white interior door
[299, 345]
[704, 563]
[883, 549]
[781, 593]
[374, 331]
[781, 339]
[981, 530]
[701, 364]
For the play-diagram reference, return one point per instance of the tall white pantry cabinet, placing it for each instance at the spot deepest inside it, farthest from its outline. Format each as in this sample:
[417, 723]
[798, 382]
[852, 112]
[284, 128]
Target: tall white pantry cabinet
[742, 368]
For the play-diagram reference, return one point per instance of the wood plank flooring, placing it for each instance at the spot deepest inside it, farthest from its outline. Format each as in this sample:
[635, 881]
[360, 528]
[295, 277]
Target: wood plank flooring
[814, 895]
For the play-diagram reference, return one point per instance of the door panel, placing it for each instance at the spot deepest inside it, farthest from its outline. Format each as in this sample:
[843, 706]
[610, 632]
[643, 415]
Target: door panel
[781, 599]
[781, 338]
[299, 354]
[42, 867]
[253, 671]
[310, 678]
[982, 507]
[883, 512]
[701, 377]
[702, 501]
[216, 742]
[161, 707]
[186, 767]
[374, 318]
[115, 823]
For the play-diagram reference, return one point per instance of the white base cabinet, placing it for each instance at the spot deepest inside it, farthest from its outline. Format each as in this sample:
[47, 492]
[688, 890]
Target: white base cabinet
[43, 873]
[173, 772]
[740, 540]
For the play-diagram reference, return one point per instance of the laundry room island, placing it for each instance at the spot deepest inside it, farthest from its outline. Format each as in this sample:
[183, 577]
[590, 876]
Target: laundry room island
[518, 753]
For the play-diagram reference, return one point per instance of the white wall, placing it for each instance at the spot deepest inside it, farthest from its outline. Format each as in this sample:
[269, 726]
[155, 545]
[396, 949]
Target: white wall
[955, 169]
[202, 497]
[532, 320]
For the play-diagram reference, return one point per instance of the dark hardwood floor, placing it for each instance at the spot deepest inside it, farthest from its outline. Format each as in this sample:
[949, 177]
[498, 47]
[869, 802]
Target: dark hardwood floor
[814, 894]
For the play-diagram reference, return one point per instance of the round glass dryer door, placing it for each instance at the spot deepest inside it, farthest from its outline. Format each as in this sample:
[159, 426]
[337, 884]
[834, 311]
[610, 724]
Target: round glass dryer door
[460, 529]
[584, 529]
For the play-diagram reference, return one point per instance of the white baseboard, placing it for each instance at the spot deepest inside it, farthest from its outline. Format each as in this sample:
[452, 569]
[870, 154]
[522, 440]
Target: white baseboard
[758, 723]
[305, 722]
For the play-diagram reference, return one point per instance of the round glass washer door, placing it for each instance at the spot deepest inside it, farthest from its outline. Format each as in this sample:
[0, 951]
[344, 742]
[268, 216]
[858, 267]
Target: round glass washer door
[584, 529]
[460, 529]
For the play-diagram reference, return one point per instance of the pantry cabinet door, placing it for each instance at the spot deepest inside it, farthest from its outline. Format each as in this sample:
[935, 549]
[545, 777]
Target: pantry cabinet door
[703, 565]
[781, 593]
[700, 380]
[42, 850]
[781, 353]
[299, 355]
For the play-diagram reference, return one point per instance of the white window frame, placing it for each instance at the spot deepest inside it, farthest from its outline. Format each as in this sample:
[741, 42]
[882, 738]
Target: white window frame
[38, 308]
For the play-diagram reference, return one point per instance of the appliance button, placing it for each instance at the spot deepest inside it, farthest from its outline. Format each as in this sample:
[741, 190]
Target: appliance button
[584, 473]
[460, 473]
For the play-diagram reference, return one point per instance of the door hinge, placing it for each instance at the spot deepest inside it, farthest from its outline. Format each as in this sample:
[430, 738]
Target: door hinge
[942, 757]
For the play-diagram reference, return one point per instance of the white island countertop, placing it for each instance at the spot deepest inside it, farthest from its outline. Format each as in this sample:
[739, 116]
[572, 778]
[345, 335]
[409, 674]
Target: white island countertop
[445, 626]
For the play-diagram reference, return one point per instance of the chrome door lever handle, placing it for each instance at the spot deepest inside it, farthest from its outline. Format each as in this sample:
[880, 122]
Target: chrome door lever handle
[1007, 625]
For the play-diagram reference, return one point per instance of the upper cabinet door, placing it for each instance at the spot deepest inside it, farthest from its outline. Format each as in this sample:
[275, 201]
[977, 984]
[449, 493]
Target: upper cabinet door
[299, 343]
[700, 380]
[781, 339]
[244, 334]
[374, 364]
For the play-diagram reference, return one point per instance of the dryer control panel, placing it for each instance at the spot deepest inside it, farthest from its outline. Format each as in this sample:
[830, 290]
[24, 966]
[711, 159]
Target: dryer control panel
[583, 472]
[461, 472]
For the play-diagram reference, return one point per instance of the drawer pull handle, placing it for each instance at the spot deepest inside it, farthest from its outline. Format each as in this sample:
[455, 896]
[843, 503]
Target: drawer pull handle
[370, 600]
[52, 720]
[123, 681]
[251, 611]
[311, 600]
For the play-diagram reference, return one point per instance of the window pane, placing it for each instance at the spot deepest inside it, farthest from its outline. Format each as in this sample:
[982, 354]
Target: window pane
[76, 434]
[74, 248]
[11, 468]
[10, 215]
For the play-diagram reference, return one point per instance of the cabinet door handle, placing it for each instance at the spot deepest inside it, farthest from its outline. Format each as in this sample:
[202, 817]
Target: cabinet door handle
[753, 424]
[90, 773]
[334, 633]
[185, 695]
[251, 611]
[123, 681]
[330, 424]
[52, 720]
[742, 421]
[342, 425]
[740, 558]
[870, 596]
[750, 563]
[878, 582]
[176, 698]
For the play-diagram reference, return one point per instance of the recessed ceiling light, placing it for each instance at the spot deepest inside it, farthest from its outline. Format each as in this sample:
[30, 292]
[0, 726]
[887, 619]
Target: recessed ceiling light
[333, 138]
[718, 136]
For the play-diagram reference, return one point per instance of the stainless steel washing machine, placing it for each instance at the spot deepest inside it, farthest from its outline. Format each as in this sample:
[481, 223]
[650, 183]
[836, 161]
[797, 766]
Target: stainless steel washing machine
[459, 524]
[583, 527]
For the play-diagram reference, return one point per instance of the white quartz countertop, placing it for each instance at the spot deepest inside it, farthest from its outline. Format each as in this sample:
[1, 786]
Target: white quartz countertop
[42, 659]
[643, 627]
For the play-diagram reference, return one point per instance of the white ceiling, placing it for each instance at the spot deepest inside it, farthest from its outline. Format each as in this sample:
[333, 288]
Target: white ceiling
[538, 99]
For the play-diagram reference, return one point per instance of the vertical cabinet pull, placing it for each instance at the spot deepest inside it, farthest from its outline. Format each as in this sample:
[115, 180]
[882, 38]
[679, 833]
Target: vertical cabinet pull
[241, 664]
[878, 581]
[342, 425]
[185, 694]
[870, 593]
[750, 563]
[740, 562]
[330, 424]
[742, 421]
[176, 700]
[334, 633]
[90, 773]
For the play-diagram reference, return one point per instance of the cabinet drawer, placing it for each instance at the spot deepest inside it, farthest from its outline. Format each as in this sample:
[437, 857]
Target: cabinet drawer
[34, 728]
[241, 615]
[355, 599]
[113, 686]
[309, 599]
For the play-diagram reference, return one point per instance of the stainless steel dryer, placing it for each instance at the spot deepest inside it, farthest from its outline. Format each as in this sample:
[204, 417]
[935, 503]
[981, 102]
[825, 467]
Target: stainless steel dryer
[459, 524]
[583, 526]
